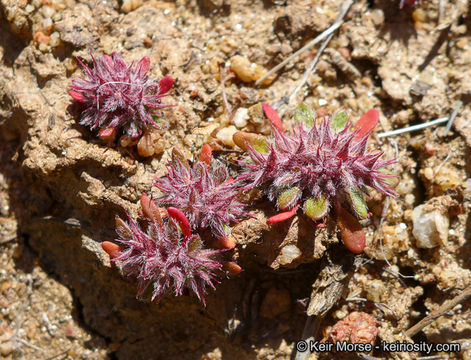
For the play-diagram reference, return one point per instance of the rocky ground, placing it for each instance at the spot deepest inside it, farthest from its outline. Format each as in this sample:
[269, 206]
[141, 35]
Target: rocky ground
[61, 187]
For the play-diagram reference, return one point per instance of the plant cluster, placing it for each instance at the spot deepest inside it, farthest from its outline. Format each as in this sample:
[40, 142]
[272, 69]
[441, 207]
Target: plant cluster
[204, 191]
[166, 255]
[322, 166]
[117, 96]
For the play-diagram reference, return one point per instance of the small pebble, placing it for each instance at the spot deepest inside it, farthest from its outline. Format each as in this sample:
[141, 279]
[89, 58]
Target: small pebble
[6, 348]
[241, 117]
[430, 229]
[40, 38]
[289, 253]
[225, 135]
[55, 40]
[151, 143]
[130, 5]
[375, 289]
[377, 16]
[248, 71]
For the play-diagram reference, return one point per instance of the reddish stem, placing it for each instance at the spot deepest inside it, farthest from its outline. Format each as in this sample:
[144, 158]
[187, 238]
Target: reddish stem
[282, 216]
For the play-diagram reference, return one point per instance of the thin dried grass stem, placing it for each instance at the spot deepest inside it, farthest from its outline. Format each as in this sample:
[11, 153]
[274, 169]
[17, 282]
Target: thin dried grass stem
[442, 310]
[452, 118]
[413, 127]
[342, 13]
[306, 47]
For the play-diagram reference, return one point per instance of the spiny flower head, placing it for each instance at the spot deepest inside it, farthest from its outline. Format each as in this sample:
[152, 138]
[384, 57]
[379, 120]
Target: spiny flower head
[118, 96]
[320, 166]
[204, 191]
[166, 254]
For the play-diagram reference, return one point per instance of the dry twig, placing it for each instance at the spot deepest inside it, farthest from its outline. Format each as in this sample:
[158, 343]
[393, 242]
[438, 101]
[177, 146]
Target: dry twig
[442, 310]
[342, 13]
[309, 45]
[223, 79]
[452, 118]
[413, 127]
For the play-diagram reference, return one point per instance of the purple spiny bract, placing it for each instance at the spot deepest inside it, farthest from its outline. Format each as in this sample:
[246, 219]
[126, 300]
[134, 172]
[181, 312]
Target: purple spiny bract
[166, 255]
[203, 191]
[318, 166]
[117, 96]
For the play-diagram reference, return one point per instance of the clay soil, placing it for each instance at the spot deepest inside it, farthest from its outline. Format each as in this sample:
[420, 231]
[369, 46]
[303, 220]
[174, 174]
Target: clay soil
[61, 186]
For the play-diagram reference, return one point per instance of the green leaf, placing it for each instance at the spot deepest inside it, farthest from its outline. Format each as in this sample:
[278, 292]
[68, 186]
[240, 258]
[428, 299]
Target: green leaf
[305, 115]
[339, 120]
[392, 181]
[288, 198]
[358, 203]
[316, 209]
[194, 244]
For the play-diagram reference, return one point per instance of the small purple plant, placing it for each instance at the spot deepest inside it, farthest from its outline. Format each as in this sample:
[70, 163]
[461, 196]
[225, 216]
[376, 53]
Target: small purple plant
[204, 191]
[166, 255]
[321, 166]
[116, 96]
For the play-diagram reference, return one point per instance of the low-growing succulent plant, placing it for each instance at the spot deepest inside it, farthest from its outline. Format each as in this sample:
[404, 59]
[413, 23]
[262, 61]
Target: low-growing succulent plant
[166, 255]
[117, 96]
[204, 191]
[322, 166]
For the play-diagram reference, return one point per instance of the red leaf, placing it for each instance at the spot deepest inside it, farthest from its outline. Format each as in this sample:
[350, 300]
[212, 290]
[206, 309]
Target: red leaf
[366, 123]
[229, 180]
[182, 221]
[149, 209]
[77, 96]
[206, 153]
[112, 249]
[282, 216]
[143, 67]
[107, 133]
[231, 268]
[351, 231]
[165, 84]
[273, 116]
[228, 242]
